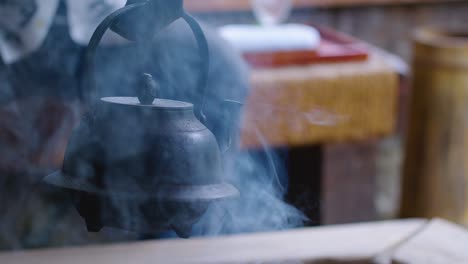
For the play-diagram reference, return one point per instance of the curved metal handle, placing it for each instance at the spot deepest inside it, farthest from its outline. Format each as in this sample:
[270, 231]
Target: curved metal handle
[86, 73]
[203, 50]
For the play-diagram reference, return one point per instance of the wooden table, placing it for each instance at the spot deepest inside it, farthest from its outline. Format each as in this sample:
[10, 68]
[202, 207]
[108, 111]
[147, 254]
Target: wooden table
[330, 116]
[332, 102]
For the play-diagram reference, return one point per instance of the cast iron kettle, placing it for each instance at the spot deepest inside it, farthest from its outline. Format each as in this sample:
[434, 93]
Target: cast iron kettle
[142, 163]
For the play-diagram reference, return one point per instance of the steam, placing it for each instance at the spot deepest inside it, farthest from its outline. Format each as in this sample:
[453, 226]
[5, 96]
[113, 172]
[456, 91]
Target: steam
[259, 176]
[261, 179]
[173, 61]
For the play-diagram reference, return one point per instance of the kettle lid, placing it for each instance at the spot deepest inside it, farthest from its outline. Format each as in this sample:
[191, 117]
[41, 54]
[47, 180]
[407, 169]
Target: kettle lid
[156, 103]
[148, 93]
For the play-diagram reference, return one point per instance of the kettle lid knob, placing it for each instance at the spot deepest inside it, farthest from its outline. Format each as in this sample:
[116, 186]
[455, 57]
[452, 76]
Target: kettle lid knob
[148, 89]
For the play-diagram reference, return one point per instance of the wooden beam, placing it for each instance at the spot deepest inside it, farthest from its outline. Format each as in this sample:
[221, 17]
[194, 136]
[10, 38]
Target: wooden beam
[244, 5]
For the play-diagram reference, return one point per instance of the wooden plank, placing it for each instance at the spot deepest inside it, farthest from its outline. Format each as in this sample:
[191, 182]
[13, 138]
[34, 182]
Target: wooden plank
[347, 242]
[439, 242]
[244, 5]
[321, 103]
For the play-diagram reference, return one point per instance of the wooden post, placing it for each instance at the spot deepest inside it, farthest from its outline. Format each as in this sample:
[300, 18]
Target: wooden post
[436, 165]
[349, 183]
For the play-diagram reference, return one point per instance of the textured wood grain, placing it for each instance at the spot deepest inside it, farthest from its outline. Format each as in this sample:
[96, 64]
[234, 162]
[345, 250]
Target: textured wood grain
[322, 103]
[436, 167]
[314, 245]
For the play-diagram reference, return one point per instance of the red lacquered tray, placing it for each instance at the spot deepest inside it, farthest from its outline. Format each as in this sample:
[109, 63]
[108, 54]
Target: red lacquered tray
[334, 47]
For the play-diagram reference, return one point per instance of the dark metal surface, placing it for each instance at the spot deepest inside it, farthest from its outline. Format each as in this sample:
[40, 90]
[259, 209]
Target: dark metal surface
[148, 90]
[174, 193]
[144, 216]
[159, 144]
[161, 155]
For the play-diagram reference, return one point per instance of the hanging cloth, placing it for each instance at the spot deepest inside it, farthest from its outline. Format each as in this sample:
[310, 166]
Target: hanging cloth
[24, 24]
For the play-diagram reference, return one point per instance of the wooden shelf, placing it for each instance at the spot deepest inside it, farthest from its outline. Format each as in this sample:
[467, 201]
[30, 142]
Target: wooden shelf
[243, 5]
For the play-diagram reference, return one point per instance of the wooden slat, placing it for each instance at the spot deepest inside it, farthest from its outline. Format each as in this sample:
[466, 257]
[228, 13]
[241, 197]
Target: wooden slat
[243, 5]
[324, 103]
[350, 242]
[439, 242]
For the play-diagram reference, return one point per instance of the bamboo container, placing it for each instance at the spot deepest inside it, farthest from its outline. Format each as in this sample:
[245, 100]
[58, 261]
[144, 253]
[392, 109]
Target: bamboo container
[436, 164]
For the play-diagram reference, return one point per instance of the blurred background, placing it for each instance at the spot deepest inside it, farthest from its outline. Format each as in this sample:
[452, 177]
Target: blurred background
[369, 170]
[353, 110]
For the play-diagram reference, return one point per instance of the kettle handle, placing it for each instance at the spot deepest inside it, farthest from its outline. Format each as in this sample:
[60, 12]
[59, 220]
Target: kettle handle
[87, 69]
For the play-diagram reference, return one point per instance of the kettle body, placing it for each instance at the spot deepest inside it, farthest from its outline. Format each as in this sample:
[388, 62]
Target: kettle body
[145, 168]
